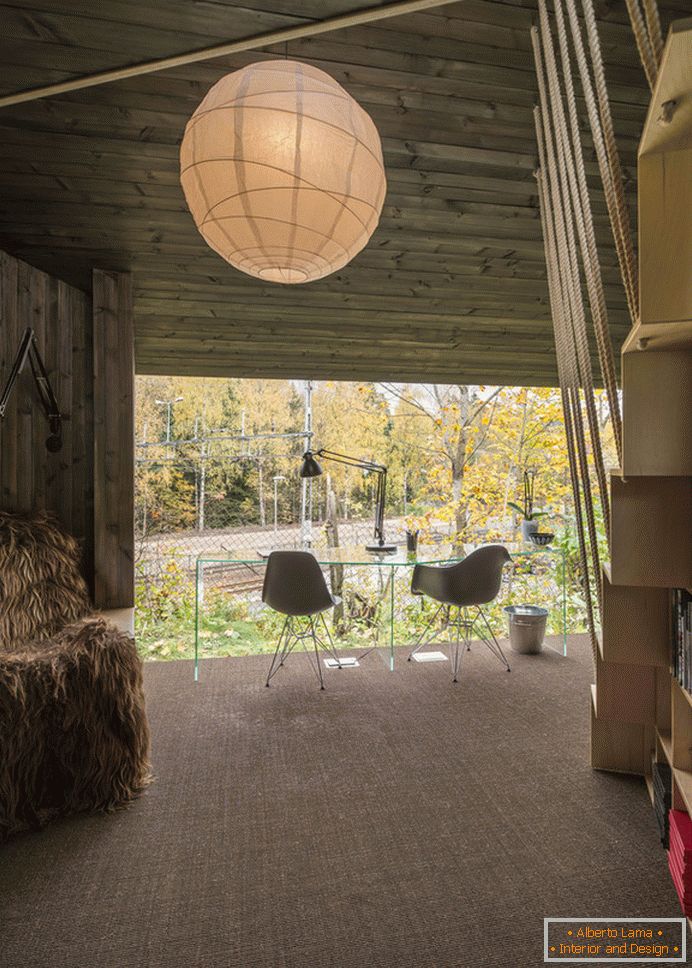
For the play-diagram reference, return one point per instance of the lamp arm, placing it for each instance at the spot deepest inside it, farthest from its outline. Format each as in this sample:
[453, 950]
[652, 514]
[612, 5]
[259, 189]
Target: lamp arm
[17, 367]
[44, 387]
[366, 465]
[28, 349]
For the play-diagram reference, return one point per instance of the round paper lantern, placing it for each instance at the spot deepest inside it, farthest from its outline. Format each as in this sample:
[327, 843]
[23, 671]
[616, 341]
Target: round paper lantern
[282, 171]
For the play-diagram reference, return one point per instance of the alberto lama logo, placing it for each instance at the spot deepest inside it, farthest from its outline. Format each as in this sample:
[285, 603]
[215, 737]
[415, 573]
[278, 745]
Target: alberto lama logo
[615, 940]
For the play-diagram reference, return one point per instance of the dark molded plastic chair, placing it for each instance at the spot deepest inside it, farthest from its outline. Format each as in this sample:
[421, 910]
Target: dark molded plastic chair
[466, 584]
[295, 586]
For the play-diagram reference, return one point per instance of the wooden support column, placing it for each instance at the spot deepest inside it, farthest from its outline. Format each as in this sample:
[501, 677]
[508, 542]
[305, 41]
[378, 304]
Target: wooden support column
[113, 439]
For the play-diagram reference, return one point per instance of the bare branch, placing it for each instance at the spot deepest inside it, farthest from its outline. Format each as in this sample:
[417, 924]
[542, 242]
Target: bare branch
[481, 407]
[411, 401]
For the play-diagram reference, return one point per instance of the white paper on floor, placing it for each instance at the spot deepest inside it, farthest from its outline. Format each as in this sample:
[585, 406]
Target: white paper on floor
[430, 657]
[346, 663]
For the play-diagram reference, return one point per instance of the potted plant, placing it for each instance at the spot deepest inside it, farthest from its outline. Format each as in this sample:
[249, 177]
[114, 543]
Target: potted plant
[414, 525]
[529, 522]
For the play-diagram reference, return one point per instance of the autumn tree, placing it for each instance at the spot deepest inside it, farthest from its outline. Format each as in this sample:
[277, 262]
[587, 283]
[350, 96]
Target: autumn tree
[454, 424]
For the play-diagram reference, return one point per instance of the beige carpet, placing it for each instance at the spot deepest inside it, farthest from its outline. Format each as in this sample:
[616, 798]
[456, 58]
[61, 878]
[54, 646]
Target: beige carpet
[392, 821]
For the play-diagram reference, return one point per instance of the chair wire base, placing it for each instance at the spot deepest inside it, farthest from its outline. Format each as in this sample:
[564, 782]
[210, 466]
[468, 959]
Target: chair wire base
[290, 637]
[465, 625]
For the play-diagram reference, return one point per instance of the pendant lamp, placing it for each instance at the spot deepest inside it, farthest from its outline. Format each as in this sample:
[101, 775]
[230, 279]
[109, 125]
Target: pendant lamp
[282, 171]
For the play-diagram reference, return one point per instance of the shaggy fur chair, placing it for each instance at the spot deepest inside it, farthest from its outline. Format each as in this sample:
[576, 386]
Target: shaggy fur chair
[73, 730]
[41, 585]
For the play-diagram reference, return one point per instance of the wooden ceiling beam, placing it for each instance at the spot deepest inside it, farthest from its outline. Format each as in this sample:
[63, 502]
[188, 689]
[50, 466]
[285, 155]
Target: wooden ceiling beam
[280, 36]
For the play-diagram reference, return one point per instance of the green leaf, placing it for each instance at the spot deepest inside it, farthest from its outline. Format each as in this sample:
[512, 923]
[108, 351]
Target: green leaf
[515, 507]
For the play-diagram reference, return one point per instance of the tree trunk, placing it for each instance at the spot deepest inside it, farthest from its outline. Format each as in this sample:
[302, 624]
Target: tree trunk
[460, 510]
[458, 471]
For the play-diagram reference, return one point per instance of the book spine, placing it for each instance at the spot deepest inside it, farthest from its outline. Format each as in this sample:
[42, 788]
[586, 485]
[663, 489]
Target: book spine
[681, 645]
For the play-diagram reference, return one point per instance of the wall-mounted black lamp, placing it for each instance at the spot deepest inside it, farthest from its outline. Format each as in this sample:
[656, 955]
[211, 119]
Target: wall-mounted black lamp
[311, 468]
[28, 349]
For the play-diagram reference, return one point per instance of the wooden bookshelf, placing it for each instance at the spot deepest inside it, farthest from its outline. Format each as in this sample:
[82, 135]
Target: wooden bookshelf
[657, 393]
[626, 693]
[665, 202]
[634, 624]
[638, 710]
[619, 747]
[651, 530]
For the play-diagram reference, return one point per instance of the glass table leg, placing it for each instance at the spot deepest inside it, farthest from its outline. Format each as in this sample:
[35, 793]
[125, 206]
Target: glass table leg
[391, 620]
[197, 579]
[564, 604]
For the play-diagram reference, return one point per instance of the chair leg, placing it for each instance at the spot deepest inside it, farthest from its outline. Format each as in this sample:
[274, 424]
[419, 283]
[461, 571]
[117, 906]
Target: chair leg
[492, 642]
[422, 641]
[315, 643]
[458, 651]
[281, 650]
[329, 646]
[289, 638]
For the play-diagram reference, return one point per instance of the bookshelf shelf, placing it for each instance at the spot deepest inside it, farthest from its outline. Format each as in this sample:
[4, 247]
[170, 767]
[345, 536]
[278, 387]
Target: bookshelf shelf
[683, 782]
[649, 787]
[658, 394]
[686, 695]
[651, 531]
[619, 747]
[665, 198]
[665, 740]
[626, 693]
[634, 624]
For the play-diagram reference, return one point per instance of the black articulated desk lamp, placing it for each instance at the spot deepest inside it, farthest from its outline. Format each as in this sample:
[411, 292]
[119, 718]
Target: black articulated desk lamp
[28, 350]
[311, 468]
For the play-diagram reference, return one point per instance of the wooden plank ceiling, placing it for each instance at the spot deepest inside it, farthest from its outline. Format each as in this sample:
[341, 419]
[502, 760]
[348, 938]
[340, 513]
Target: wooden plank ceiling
[452, 286]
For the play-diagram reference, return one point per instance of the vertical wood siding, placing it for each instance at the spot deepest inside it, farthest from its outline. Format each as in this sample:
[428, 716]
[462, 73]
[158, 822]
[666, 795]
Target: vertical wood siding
[73, 340]
[114, 444]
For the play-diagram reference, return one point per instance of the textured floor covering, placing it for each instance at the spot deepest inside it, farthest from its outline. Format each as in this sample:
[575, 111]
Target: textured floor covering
[393, 821]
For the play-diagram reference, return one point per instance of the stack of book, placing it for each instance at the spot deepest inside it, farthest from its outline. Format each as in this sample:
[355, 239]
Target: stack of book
[662, 783]
[682, 637]
[680, 857]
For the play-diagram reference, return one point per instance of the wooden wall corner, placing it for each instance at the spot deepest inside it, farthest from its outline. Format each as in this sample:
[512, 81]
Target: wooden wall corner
[112, 297]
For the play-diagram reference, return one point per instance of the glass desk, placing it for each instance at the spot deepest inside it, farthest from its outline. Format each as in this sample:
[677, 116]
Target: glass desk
[387, 622]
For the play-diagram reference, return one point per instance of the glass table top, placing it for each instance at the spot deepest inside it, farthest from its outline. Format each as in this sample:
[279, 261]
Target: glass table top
[359, 555]
[382, 583]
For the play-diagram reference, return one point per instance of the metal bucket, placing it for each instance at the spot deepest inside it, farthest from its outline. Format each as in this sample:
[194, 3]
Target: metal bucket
[526, 628]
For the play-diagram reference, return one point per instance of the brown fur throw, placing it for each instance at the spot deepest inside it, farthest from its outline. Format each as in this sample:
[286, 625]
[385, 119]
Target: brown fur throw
[41, 587]
[73, 731]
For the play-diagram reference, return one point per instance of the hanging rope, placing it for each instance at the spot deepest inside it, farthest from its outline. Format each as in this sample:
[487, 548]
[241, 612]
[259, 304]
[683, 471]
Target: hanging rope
[643, 39]
[601, 125]
[565, 375]
[568, 265]
[653, 25]
[581, 203]
[575, 201]
[570, 244]
[565, 308]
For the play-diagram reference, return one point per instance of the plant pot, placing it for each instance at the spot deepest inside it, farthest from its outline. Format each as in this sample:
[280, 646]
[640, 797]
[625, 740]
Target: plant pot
[527, 528]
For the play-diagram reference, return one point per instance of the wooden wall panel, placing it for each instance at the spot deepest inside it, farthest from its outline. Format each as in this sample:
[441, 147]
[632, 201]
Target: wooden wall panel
[114, 439]
[31, 478]
[89, 484]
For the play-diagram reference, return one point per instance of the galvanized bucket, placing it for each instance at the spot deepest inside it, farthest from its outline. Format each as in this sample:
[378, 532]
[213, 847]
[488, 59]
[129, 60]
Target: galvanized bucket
[526, 628]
